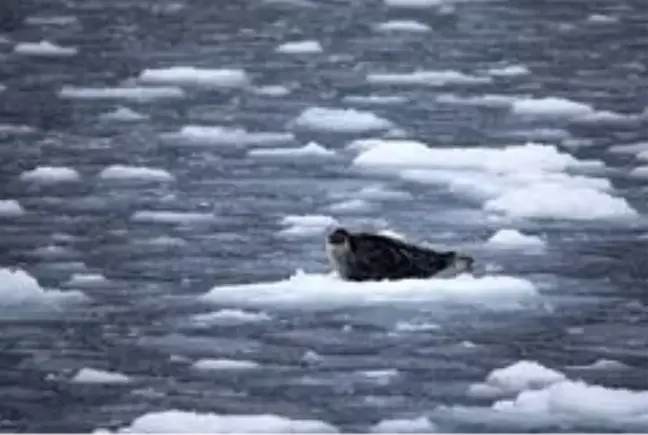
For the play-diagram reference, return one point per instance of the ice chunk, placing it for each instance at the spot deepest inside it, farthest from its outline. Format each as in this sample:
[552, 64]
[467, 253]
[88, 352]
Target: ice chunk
[405, 425]
[124, 114]
[304, 289]
[224, 364]
[514, 238]
[427, 78]
[50, 175]
[204, 77]
[300, 47]
[639, 172]
[311, 149]
[340, 120]
[228, 316]
[94, 376]
[171, 217]
[44, 49]
[551, 107]
[136, 93]
[516, 378]
[10, 208]
[413, 4]
[17, 287]
[509, 71]
[220, 135]
[403, 26]
[124, 172]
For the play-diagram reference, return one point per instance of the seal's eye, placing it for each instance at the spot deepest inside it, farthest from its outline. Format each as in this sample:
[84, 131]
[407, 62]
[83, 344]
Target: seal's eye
[337, 237]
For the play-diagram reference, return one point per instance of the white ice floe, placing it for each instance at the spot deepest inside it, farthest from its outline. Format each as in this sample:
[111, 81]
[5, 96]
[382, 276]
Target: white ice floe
[639, 172]
[554, 107]
[271, 90]
[17, 287]
[350, 206]
[300, 47]
[135, 93]
[405, 425]
[602, 364]
[485, 100]
[403, 26]
[207, 364]
[50, 175]
[85, 280]
[311, 149]
[643, 155]
[414, 4]
[10, 208]
[427, 78]
[95, 376]
[511, 238]
[177, 421]
[374, 100]
[171, 217]
[52, 20]
[305, 289]
[543, 397]
[124, 114]
[509, 71]
[520, 181]
[306, 225]
[633, 148]
[602, 19]
[44, 49]
[222, 135]
[416, 326]
[129, 173]
[340, 120]
[229, 316]
[191, 76]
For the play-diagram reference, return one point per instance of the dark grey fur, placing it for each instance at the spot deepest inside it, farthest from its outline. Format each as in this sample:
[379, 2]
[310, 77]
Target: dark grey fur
[374, 257]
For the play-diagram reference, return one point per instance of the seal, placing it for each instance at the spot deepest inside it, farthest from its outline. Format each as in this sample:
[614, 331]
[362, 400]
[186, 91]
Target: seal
[374, 257]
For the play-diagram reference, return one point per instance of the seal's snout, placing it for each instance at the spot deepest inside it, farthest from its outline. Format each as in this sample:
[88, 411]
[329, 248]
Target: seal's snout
[338, 237]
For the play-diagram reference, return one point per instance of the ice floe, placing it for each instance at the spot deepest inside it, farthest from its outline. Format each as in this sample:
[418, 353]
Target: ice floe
[427, 78]
[44, 49]
[17, 287]
[218, 78]
[272, 90]
[374, 100]
[413, 4]
[135, 93]
[311, 149]
[229, 316]
[208, 364]
[222, 135]
[124, 114]
[171, 217]
[538, 397]
[52, 20]
[306, 289]
[300, 47]
[340, 120]
[405, 425]
[95, 376]
[50, 175]
[306, 225]
[128, 173]
[403, 26]
[511, 238]
[10, 208]
[509, 71]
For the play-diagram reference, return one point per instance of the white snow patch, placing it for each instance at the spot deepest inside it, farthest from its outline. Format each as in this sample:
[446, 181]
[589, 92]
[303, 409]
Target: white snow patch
[135, 93]
[177, 421]
[427, 78]
[520, 181]
[375, 100]
[545, 398]
[300, 47]
[405, 425]
[515, 239]
[340, 120]
[17, 287]
[509, 71]
[403, 26]
[124, 172]
[306, 225]
[171, 217]
[272, 91]
[50, 175]
[229, 316]
[224, 364]
[192, 76]
[124, 114]
[95, 376]
[221, 135]
[311, 149]
[10, 208]
[44, 49]
[327, 289]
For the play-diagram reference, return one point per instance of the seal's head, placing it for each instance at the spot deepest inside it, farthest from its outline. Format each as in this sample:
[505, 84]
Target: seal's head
[338, 250]
[338, 237]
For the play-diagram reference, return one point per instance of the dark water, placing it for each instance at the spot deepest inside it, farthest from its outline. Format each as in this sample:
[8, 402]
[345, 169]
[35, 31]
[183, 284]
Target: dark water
[591, 278]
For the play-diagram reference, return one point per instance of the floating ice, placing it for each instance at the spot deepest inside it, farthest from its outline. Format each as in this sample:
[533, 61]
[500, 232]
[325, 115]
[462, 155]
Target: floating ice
[515, 239]
[639, 172]
[50, 175]
[413, 4]
[224, 364]
[602, 19]
[405, 425]
[123, 172]
[17, 287]
[300, 47]
[44, 49]
[403, 26]
[54, 20]
[306, 225]
[10, 208]
[124, 114]
[427, 78]
[509, 71]
[340, 120]
[171, 217]
[220, 135]
[546, 398]
[327, 289]
[136, 93]
[634, 148]
[229, 316]
[416, 326]
[351, 205]
[176, 421]
[311, 149]
[487, 100]
[94, 376]
[86, 280]
[551, 107]
[204, 77]
[374, 100]
[522, 181]
[272, 91]
[643, 155]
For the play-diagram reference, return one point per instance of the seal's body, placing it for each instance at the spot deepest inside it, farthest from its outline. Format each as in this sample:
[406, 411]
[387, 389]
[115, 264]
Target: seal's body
[374, 257]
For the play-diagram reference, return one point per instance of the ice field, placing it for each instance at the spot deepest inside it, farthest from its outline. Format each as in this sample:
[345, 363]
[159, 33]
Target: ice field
[169, 169]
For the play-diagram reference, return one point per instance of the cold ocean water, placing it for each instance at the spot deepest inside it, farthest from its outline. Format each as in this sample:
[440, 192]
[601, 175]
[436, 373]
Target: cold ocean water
[168, 171]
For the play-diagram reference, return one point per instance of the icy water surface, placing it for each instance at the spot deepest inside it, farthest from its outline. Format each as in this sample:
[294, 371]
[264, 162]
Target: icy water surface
[168, 171]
